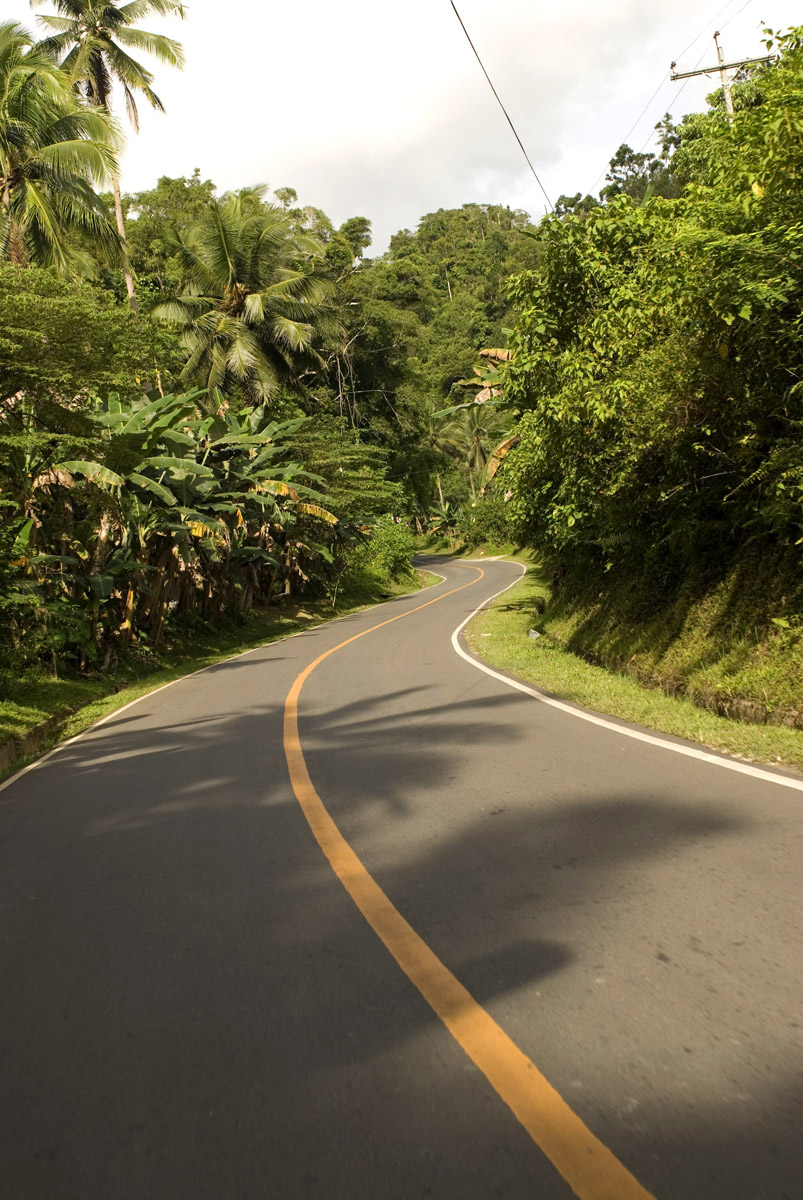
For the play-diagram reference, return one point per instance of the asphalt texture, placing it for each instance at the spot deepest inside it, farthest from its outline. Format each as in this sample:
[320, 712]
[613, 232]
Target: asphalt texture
[192, 1006]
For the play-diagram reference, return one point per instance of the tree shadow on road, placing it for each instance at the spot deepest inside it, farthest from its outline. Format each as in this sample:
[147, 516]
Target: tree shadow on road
[190, 988]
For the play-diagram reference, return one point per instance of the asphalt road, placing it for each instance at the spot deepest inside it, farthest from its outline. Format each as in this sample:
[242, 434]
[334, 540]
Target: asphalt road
[191, 1005]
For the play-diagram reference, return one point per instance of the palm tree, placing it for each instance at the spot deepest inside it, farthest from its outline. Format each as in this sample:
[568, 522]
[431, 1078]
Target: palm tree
[96, 37]
[471, 435]
[53, 148]
[254, 303]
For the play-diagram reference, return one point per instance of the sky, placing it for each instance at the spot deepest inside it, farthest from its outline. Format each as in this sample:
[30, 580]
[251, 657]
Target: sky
[379, 109]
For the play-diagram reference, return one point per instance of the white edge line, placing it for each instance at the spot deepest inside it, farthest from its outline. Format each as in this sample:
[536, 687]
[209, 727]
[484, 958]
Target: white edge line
[38, 762]
[702, 755]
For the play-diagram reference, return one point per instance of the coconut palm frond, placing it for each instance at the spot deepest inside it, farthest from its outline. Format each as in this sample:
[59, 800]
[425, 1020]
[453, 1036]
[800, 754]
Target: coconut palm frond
[165, 49]
[256, 323]
[138, 9]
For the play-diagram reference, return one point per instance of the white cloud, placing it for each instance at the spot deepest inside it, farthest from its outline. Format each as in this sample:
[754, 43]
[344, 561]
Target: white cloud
[381, 109]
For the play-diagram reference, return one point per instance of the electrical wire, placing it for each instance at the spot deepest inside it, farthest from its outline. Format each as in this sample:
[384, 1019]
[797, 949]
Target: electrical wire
[736, 14]
[716, 17]
[501, 105]
[644, 109]
[682, 88]
[632, 127]
[678, 94]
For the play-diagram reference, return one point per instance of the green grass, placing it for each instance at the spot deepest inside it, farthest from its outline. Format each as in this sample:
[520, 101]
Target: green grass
[432, 544]
[33, 700]
[734, 645]
[499, 635]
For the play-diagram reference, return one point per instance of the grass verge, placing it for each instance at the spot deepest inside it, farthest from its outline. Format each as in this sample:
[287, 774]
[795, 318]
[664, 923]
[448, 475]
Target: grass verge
[432, 544]
[499, 635]
[70, 705]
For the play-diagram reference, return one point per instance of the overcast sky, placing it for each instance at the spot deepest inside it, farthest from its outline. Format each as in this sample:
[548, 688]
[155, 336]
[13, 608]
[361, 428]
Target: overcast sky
[380, 109]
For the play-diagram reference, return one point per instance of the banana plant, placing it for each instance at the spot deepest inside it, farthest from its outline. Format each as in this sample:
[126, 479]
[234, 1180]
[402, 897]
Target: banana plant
[178, 508]
[489, 380]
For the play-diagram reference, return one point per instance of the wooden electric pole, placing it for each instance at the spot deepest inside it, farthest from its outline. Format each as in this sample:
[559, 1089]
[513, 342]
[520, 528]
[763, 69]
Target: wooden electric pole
[722, 67]
[723, 75]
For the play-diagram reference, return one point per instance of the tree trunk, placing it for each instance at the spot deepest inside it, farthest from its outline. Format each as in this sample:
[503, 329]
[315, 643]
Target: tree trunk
[99, 552]
[17, 252]
[118, 212]
[247, 595]
[127, 627]
[67, 526]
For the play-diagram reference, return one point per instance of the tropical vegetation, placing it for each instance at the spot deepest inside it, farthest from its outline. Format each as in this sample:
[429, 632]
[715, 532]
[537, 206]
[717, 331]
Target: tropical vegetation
[618, 388]
[658, 373]
[53, 152]
[253, 299]
[95, 39]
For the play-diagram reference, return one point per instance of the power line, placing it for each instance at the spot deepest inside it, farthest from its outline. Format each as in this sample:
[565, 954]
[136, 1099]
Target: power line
[644, 109]
[702, 56]
[735, 15]
[499, 102]
[665, 79]
[632, 127]
[715, 17]
[722, 68]
[678, 93]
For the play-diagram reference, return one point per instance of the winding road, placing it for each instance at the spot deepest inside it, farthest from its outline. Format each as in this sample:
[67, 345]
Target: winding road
[348, 917]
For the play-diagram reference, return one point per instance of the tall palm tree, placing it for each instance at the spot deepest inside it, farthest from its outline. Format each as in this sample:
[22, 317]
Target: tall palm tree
[254, 303]
[95, 37]
[53, 148]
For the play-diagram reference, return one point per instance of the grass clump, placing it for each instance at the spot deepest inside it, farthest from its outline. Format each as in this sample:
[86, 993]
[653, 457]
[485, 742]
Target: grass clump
[499, 635]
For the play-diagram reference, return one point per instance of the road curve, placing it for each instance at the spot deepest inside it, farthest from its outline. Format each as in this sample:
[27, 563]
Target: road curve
[191, 1005]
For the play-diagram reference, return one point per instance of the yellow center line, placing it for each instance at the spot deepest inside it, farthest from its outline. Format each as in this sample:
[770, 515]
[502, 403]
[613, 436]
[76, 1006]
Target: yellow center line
[589, 1167]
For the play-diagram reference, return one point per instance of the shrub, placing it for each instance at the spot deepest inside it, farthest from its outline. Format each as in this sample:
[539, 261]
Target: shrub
[390, 548]
[486, 523]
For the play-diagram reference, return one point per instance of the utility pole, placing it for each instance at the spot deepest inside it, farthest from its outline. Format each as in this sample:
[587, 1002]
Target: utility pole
[723, 75]
[722, 67]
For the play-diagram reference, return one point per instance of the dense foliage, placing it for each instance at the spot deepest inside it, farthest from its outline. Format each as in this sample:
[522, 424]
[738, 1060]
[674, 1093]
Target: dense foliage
[263, 426]
[52, 150]
[284, 410]
[658, 358]
[252, 301]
